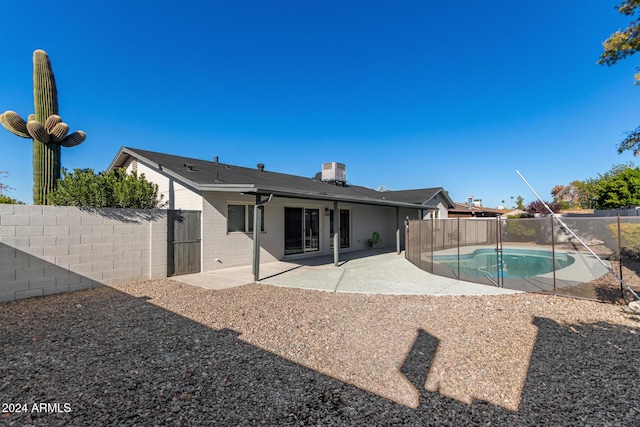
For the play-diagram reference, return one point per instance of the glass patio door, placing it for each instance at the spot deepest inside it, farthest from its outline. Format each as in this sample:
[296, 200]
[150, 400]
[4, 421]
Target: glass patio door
[311, 230]
[301, 230]
[344, 228]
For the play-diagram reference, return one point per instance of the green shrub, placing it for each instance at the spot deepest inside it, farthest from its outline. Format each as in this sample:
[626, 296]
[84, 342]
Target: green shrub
[9, 200]
[629, 238]
[112, 189]
[519, 230]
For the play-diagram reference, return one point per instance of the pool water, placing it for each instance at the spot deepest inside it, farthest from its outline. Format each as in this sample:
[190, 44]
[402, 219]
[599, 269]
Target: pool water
[516, 263]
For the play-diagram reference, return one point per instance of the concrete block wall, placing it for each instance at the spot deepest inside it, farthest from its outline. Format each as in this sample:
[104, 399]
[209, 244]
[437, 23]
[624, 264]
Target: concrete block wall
[51, 249]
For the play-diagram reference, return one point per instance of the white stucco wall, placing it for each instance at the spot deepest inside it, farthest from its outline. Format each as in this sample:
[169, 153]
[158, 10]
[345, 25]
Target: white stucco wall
[183, 197]
[221, 249]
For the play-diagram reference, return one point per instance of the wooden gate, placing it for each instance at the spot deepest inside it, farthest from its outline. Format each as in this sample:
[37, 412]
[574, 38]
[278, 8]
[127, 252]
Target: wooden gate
[183, 242]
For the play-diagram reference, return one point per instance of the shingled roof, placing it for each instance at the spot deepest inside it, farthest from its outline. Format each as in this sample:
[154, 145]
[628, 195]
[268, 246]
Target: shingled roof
[420, 196]
[203, 175]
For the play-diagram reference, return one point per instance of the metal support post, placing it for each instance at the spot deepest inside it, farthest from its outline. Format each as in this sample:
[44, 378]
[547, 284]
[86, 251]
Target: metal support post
[336, 235]
[257, 221]
[398, 230]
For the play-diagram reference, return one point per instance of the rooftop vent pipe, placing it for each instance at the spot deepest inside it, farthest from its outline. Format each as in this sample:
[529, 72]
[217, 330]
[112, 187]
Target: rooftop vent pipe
[470, 201]
[260, 166]
[215, 159]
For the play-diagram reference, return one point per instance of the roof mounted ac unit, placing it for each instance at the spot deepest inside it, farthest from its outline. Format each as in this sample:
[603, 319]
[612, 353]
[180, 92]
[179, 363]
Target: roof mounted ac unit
[334, 171]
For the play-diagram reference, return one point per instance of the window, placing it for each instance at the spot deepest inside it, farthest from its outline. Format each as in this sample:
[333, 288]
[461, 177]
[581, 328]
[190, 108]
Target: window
[250, 218]
[240, 218]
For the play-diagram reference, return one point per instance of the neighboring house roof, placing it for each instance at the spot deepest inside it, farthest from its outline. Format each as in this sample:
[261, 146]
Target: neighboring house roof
[463, 209]
[203, 175]
[421, 196]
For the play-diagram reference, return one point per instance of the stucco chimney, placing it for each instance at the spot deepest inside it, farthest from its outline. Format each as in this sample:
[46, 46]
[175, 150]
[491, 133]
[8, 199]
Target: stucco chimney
[470, 201]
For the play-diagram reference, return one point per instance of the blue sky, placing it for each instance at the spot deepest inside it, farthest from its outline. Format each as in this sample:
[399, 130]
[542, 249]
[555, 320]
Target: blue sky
[408, 94]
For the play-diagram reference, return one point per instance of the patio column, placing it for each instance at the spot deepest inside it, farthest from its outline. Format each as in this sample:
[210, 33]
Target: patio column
[257, 221]
[336, 234]
[398, 229]
[256, 239]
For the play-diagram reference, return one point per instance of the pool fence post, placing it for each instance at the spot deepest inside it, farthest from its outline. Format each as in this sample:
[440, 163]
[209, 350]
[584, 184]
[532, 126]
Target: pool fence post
[433, 238]
[458, 247]
[620, 257]
[498, 257]
[553, 256]
[501, 254]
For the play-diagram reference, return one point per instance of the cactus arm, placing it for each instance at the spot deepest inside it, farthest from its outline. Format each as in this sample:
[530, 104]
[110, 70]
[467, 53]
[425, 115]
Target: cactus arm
[14, 124]
[59, 132]
[37, 131]
[76, 138]
[31, 117]
[51, 121]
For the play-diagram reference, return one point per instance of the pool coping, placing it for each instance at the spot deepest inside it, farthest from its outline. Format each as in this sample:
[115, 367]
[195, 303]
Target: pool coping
[585, 268]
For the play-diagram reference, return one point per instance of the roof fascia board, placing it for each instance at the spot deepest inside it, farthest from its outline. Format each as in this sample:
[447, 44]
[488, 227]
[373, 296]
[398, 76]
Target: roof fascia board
[315, 196]
[115, 162]
[229, 188]
[153, 165]
[444, 195]
[251, 188]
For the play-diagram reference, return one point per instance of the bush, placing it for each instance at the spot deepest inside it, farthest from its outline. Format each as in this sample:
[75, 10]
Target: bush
[521, 230]
[9, 200]
[113, 189]
[629, 238]
[538, 207]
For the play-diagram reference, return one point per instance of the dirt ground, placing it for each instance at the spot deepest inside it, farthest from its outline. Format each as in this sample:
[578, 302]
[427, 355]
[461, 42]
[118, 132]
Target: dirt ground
[608, 288]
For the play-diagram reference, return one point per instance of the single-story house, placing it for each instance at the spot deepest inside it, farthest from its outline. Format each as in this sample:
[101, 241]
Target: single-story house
[474, 210]
[298, 216]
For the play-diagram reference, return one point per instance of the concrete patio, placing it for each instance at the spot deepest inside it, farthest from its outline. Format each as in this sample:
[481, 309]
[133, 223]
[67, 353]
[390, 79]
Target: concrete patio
[375, 271]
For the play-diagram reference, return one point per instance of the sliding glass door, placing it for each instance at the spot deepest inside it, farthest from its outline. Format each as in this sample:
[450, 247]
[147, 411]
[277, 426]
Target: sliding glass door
[293, 226]
[344, 228]
[301, 230]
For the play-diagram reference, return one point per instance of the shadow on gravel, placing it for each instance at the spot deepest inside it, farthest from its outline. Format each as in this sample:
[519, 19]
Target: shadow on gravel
[115, 359]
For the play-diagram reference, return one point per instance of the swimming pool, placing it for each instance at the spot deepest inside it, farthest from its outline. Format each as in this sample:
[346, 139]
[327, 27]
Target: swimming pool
[516, 263]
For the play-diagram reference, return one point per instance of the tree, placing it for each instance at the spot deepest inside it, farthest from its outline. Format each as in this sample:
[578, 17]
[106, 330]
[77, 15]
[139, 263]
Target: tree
[538, 207]
[586, 193]
[618, 46]
[4, 187]
[520, 203]
[564, 195]
[619, 189]
[113, 189]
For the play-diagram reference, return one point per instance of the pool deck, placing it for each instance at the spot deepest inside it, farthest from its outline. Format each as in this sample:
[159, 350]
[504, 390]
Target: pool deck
[372, 271]
[585, 268]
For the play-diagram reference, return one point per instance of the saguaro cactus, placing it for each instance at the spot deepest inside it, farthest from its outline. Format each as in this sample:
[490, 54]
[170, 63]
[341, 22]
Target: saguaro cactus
[45, 128]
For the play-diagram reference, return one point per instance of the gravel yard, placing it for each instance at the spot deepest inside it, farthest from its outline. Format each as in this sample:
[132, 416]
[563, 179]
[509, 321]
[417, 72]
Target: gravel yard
[166, 353]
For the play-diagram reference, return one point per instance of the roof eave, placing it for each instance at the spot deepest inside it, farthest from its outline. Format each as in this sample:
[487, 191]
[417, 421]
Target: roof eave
[283, 192]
